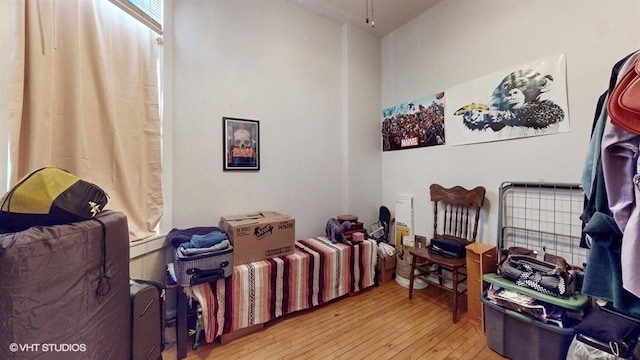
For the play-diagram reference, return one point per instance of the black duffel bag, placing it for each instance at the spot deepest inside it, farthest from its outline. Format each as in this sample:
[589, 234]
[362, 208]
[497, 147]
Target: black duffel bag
[544, 277]
[448, 246]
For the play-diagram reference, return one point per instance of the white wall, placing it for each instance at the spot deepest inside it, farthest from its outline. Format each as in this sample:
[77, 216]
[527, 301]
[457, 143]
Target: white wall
[313, 85]
[460, 40]
[364, 169]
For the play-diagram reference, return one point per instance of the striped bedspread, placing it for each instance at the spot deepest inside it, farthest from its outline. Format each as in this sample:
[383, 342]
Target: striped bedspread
[258, 292]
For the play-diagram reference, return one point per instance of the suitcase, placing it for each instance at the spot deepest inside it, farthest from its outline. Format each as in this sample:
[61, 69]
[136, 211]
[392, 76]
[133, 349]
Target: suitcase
[196, 269]
[147, 320]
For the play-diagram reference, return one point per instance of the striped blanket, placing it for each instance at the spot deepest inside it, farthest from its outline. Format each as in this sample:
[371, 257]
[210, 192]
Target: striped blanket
[258, 292]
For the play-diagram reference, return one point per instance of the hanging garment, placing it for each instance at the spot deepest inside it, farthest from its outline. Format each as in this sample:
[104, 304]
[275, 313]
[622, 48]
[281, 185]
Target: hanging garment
[603, 274]
[620, 150]
[593, 153]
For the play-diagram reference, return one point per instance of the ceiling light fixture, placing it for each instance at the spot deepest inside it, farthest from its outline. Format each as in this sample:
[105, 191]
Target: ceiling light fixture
[366, 6]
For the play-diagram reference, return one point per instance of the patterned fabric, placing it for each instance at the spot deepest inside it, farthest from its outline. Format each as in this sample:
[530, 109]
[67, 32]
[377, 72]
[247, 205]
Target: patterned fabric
[531, 278]
[258, 292]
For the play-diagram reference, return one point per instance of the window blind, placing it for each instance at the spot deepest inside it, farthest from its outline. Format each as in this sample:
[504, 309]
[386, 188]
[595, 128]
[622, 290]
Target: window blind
[149, 12]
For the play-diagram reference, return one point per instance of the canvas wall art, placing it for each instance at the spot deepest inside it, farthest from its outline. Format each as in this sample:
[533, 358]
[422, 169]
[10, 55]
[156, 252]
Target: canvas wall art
[414, 124]
[525, 100]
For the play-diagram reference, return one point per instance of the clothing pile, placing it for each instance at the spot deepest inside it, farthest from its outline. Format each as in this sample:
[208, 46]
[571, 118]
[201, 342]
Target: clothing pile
[523, 304]
[198, 241]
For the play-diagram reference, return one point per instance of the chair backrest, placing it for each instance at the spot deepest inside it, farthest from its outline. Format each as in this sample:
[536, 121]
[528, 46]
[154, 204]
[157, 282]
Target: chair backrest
[456, 211]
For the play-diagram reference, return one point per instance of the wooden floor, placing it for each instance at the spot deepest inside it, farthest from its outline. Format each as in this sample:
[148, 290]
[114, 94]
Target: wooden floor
[379, 323]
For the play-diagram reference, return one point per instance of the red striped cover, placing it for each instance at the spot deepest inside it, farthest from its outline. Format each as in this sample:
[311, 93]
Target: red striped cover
[258, 292]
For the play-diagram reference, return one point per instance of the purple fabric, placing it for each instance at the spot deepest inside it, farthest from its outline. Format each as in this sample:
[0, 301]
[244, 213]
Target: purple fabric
[620, 150]
[335, 230]
[179, 236]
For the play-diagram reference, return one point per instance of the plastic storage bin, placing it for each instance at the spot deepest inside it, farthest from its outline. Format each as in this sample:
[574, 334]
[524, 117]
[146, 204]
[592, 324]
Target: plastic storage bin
[516, 336]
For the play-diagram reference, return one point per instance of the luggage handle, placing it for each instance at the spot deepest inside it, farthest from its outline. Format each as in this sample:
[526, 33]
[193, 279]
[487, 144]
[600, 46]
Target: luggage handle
[200, 276]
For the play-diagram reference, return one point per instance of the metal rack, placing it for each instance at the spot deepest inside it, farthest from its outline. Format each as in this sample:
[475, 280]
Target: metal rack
[543, 217]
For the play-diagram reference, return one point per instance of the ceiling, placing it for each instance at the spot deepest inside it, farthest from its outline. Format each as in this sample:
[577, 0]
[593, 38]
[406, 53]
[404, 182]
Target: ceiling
[387, 14]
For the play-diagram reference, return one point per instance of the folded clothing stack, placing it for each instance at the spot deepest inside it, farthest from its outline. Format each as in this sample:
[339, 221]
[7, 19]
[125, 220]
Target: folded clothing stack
[223, 245]
[198, 241]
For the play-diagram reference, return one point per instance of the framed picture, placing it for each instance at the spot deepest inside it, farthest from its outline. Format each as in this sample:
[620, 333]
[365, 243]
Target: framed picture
[241, 144]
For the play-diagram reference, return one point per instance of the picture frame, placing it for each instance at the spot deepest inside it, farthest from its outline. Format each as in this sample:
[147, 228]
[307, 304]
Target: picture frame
[241, 144]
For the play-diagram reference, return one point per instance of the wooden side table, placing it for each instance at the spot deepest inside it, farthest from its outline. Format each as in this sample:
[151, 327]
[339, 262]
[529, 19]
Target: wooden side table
[481, 259]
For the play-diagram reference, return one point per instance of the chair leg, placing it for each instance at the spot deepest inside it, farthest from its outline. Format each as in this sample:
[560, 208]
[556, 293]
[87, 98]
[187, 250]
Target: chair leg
[455, 295]
[412, 276]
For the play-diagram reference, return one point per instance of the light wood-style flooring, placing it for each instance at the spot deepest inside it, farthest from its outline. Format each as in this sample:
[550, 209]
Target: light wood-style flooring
[378, 323]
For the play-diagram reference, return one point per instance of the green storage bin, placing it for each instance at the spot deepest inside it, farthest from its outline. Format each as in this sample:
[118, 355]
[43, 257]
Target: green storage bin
[571, 303]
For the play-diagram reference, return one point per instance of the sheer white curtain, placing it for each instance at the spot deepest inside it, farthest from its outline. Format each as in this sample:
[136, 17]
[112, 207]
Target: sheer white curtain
[84, 97]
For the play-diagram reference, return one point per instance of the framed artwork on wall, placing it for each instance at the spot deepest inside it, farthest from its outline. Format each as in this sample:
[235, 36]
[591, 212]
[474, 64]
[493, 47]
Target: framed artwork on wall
[241, 144]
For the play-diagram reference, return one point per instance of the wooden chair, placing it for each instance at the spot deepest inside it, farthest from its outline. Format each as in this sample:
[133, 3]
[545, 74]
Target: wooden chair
[456, 213]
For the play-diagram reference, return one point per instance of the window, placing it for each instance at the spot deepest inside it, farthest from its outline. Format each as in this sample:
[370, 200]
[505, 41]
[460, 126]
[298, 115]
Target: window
[123, 157]
[149, 12]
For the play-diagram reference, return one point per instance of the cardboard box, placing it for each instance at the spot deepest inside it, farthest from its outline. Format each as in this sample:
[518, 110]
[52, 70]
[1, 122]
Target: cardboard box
[386, 267]
[259, 236]
[387, 262]
[386, 275]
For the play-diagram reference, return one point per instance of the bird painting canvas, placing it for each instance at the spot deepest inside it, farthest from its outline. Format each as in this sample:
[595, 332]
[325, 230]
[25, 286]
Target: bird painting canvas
[526, 100]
